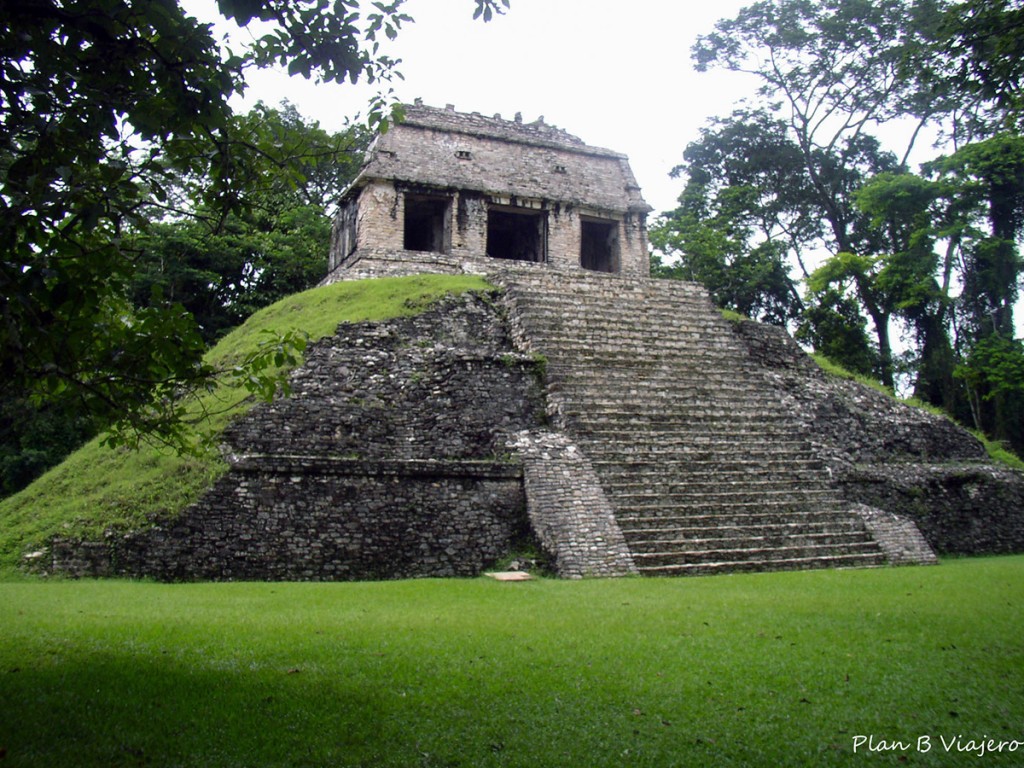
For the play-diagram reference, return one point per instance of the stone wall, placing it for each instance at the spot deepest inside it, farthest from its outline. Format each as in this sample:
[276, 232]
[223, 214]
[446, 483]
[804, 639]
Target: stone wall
[569, 512]
[390, 459]
[430, 446]
[457, 150]
[895, 457]
[963, 509]
[306, 520]
[476, 164]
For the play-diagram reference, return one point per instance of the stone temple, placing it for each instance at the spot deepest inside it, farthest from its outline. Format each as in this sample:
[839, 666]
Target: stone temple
[612, 423]
[443, 186]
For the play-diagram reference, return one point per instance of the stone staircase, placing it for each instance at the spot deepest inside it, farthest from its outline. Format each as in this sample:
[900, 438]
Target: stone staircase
[705, 470]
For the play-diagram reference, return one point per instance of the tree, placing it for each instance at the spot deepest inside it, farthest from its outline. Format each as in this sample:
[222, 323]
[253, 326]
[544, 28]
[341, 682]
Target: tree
[222, 268]
[994, 374]
[981, 66]
[865, 275]
[834, 68]
[749, 181]
[833, 326]
[104, 104]
[801, 168]
[34, 438]
[983, 184]
[902, 206]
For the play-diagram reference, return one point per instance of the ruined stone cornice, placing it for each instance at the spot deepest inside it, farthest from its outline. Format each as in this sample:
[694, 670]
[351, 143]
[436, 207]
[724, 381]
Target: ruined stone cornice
[340, 465]
[536, 134]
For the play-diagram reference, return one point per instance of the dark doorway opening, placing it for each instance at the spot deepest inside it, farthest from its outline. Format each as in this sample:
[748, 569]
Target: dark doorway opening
[599, 245]
[426, 223]
[517, 235]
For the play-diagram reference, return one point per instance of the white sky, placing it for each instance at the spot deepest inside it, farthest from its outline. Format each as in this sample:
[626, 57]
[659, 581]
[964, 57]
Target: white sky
[616, 74]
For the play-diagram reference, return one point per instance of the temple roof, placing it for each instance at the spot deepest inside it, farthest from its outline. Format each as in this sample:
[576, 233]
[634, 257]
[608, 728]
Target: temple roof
[445, 149]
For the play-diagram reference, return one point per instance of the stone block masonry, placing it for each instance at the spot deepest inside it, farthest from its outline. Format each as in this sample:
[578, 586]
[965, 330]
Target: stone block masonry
[618, 425]
[569, 512]
[442, 185]
[915, 465]
[390, 460]
[279, 519]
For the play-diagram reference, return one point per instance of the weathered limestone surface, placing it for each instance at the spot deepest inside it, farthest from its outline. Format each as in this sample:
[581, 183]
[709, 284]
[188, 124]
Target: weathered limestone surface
[570, 514]
[705, 468]
[400, 453]
[463, 168]
[389, 460]
[897, 535]
[904, 460]
[285, 519]
[620, 425]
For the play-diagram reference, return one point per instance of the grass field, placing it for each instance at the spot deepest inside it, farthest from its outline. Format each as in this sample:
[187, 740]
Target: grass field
[765, 669]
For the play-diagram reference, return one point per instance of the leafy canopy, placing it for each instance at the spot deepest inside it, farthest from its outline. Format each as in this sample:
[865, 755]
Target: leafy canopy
[104, 106]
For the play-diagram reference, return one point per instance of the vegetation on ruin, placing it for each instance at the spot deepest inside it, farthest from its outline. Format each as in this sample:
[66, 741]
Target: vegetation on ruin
[818, 204]
[996, 450]
[99, 488]
[140, 217]
[743, 670]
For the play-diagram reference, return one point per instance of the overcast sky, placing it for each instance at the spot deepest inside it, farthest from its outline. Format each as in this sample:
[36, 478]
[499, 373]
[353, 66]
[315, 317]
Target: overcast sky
[616, 74]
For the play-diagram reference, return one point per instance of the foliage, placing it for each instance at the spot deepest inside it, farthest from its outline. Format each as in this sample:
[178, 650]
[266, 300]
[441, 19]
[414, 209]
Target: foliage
[998, 363]
[778, 669]
[838, 67]
[797, 169]
[985, 184]
[223, 266]
[33, 439]
[982, 46]
[740, 188]
[833, 326]
[993, 374]
[106, 105]
[96, 489]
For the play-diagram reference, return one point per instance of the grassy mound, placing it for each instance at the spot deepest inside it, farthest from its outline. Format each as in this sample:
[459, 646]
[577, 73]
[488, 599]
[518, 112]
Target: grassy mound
[97, 488]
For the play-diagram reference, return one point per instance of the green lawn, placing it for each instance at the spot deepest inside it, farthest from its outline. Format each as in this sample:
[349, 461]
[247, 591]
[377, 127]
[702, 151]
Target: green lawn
[764, 669]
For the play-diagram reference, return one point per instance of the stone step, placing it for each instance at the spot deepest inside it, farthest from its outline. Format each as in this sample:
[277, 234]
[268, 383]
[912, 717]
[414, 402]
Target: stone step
[739, 526]
[718, 420]
[716, 477]
[782, 467]
[686, 459]
[691, 439]
[633, 443]
[572, 282]
[723, 418]
[616, 370]
[741, 517]
[669, 466]
[626, 324]
[855, 560]
[671, 390]
[576, 305]
[568, 309]
[762, 554]
[642, 396]
[606, 350]
[706, 471]
[754, 538]
[692, 337]
[680, 493]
